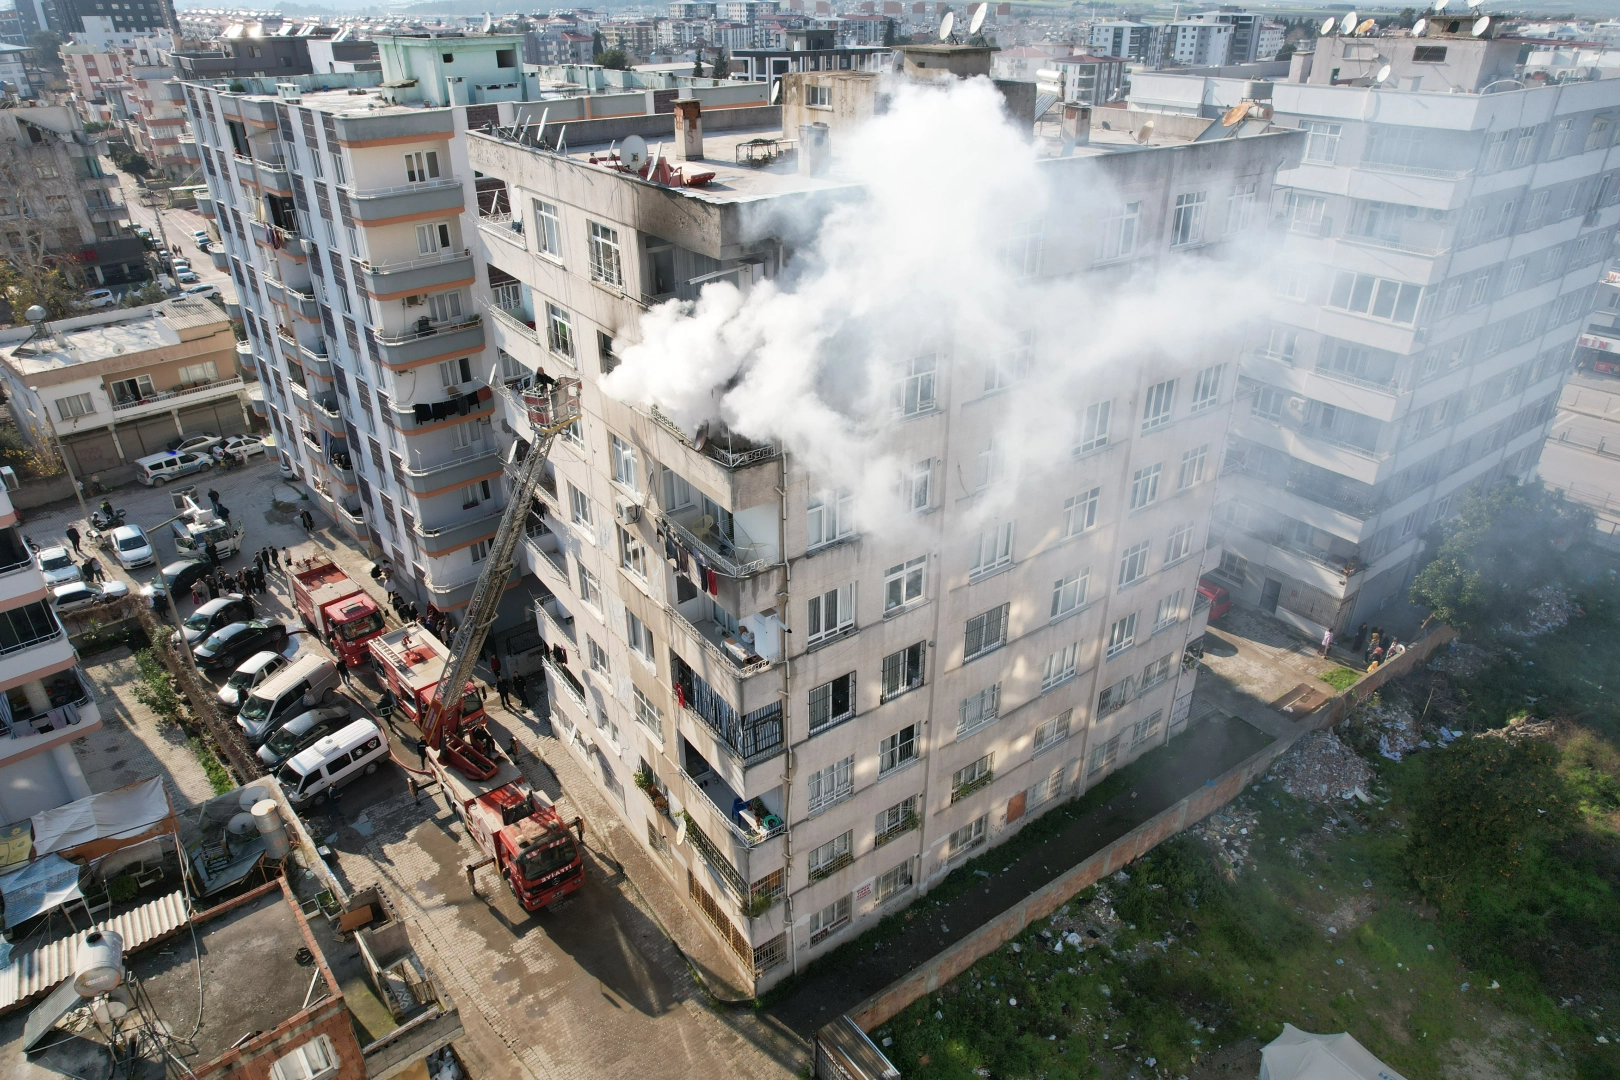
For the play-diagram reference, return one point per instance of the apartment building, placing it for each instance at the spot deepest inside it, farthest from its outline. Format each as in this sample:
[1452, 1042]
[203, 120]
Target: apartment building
[339, 199]
[807, 722]
[1243, 44]
[45, 700]
[1130, 40]
[1439, 251]
[1191, 43]
[119, 385]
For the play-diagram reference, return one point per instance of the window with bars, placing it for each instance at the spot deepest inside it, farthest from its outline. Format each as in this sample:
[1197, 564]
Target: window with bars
[966, 838]
[830, 785]
[897, 750]
[903, 670]
[832, 703]
[606, 266]
[893, 882]
[900, 818]
[1053, 731]
[971, 777]
[985, 632]
[978, 709]
[1116, 697]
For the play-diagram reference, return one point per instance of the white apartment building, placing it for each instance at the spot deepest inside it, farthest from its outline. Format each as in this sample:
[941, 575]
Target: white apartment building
[806, 723]
[340, 201]
[1188, 43]
[1440, 250]
[45, 700]
[1244, 44]
[1130, 40]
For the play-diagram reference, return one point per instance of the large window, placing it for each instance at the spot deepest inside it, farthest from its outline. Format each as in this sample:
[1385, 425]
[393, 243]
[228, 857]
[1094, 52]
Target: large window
[205, 372]
[1080, 512]
[978, 710]
[903, 584]
[1069, 593]
[903, 670]
[27, 625]
[992, 549]
[832, 703]
[1121, 636]
[1192, 466]
[1304, 213]
[831, 613]
[547, 229]
[1094, 428]
[625, 471]
[605, 264]
[897, 750]
[1158, 404]
[1059, 666]
[1321, 142]
[830, 516]
[421, 166]
[1180, 544]
[830, 785]
[1053, 731]
[1187, 227]
[68, 408]
[1119, 233]
[1133, 563]
[913, 390]
[1145, 486]
[560, 332]
[985, 632]
[1381, 298]
[1207, 387]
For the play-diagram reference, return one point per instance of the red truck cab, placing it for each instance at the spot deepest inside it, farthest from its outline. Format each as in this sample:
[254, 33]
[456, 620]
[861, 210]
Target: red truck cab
[1218, 599]
[537, 854]
[335, 608]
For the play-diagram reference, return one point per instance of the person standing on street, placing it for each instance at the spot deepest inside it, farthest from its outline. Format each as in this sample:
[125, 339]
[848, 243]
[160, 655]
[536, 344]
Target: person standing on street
[504, 689]
[520, 688]
[421, 751]
[213, 498]
[286, 560]
[72, 535]
[342, 666]
[1327, 643]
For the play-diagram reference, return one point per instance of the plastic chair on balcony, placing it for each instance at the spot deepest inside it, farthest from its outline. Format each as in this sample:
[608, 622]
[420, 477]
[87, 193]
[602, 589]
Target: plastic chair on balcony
[705, 527]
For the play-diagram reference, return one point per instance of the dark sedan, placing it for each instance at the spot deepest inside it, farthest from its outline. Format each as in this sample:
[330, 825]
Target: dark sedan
[229, 645]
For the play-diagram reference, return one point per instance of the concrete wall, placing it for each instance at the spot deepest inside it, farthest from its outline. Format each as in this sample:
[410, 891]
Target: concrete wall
[945, 966]
[654, 125]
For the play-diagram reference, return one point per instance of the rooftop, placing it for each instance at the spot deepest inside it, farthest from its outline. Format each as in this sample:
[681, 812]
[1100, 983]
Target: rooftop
[143, 330]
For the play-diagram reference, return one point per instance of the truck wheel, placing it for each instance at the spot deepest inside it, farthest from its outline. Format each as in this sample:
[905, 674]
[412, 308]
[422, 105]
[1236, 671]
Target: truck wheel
[319, 800]
[159, 481]
[371, 768]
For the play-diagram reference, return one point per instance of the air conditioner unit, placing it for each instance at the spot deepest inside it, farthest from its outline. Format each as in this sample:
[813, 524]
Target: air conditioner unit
[626, 511]
[1296, 403]
[413, 301]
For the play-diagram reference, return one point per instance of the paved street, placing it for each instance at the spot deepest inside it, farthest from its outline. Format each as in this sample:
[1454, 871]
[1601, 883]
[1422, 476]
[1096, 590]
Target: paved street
[614, 991]
[178, 225]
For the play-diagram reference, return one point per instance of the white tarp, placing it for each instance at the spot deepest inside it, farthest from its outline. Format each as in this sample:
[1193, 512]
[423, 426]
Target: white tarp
[43, 885]
[125, 813]
[1299, 1055]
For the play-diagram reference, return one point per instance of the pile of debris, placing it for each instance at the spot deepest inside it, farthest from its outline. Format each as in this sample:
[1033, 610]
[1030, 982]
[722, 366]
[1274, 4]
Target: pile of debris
[1520, 728]
[1461, 660]
[1554, 608]
[1082, 925]
[1229, 833]
[1319, 768]
[1385, 724]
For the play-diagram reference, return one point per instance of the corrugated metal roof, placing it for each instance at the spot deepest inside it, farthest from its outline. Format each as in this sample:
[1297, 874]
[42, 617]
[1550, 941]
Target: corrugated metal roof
[35, 973]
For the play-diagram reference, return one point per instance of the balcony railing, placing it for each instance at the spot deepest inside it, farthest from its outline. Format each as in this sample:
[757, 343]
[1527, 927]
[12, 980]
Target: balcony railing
[908, 824]
[445, 256]
[564, 633]
[749, 838]
[565, 679]
[960, 793]
[1396, 245]
[404, 189]
[716, 859]
[510, 320]
[752, 738]
[56, 718]
[736, 453]
[728, 565]
[453, 463]
[1414, 170]
[509, 227]
[740, 669]
[1385, 387]
[408, 336]
[6, 648]
[170, 395]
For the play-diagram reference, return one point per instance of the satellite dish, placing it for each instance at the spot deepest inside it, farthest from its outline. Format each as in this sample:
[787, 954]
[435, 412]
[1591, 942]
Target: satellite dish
[978, 18]
[1328, 24]
[1440, 5]
[1481, 24]
[1419, 26]
[1367, 26]
[1147, 129]
[946, 25]
[1474, 4]
[1235, 113]
[1383, 73]
[1348, 25]
[633, 153]
[776, 93]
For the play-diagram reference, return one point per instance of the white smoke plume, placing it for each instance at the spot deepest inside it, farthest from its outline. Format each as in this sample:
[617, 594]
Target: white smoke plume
[925, 260]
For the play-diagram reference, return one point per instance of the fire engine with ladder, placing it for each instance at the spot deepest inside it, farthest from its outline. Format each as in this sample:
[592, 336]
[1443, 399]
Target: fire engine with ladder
[517, 828]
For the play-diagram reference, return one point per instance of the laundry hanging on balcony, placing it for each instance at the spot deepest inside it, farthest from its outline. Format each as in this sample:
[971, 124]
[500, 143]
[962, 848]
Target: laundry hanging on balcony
[460, 405]
[689, 561]
[271, 236]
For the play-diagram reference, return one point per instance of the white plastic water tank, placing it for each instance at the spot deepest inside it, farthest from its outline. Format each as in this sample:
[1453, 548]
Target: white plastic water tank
[99, 967]
[267, 816]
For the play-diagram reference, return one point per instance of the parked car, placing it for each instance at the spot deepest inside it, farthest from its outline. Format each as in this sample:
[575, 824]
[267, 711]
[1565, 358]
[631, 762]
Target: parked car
[155, 470]
[244, 446]
[186, 276]
[57, 564]
[201, 236]
[100, 298]
[1218, 599]
[225, 647]
[302, 732]
[195, 442]
[218, 612]
[202, 292]
[307, 682]
[180, 264]
[132, 547]
[310, 776]
[247, 677]
[82, 594]
[177, 576]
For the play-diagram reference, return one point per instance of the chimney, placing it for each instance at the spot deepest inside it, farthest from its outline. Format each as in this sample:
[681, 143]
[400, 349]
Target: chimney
[688, 130]
[815, 149]
[1076, 127]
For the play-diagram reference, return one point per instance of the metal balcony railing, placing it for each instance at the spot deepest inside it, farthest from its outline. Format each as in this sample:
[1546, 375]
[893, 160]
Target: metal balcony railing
[728, 565]
[216, 387]
[734, 454]
[512, 321]
[737, 667]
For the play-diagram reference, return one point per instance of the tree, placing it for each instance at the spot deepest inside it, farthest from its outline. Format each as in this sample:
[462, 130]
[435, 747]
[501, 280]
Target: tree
[697, 68]
[1407, 18]
[1506, 541]
[614, 59]
[132, 162]
[47, 46]
[1285, 52]
[42, 234]
[722, 65]
[150, 292]
[598, 46]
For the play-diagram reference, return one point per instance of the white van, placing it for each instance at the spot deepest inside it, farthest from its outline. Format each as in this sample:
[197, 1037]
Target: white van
[313, 774]
[156, 470]
[307, 682]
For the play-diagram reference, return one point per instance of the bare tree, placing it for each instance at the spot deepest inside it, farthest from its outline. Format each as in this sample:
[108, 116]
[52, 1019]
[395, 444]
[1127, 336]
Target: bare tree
[40, 232]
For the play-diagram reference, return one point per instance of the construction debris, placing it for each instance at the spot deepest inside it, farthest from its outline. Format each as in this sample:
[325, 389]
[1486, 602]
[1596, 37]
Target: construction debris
[1461, 660]
[1554, 608]
[1385, 724]
[1081, 925]
[1520, 728]
[1229, 833]
[1319, 768]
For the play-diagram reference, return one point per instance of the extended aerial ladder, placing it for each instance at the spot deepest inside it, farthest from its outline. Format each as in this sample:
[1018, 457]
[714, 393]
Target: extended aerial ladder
[551, 408]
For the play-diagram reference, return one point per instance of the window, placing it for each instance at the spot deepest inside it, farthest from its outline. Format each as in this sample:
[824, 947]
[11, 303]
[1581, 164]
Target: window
[589, 590]
[992, 550]
[1021, 252]
[832, 703]
[421, 166]
[903, 584]
[632, 553]
[894, 882]
[1143, 730]
[828, 919]
[1207, 387]
[1080, 512]
[914, 485]
[831, 516]
[1234, 568]
[978, 710]
[606, 358]
[1133, 564]
[1304, 213]
[474, 494]
[818, 97]
[1121, 636]
[970, 778]
[1156, 407]
[1060, 666]
[315, 1060]
[968, 836]
[1240, 208]
[1180, 544]
[1120, 232]
[831, 856]
[830, 785]
[579, 507]
[831, 613]
[1094, 428]
[1155, 673]
[1004, 370]
[1069, 593]
[1524, 145]
[647, 712]
[1168, 613]
[1429, 54]
[339, 176]
[205, 372]
[1321, 142]
[903, 670]
[639, 637]
[1600, 134]
[559, 332]
[1187, 227]
[432, 238]
[479, 550]
[605, 266]
[1378, 297]
[899, 818]
[897, 750]
[1103, 755]
[547, 229]
[1515, 275]
[625, 471]
[441, 306]
[1049, 788]
[1145, 486]
[992, 465]
[985, 632]
[912, 393]
[1053, 731]
[67, 408]
[1115, 697]
[1192, 466]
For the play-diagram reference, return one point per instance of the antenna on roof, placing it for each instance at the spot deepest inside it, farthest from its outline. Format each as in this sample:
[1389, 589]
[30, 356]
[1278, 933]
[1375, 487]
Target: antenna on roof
[776, 92]
[562, 139]
[1383, 73]
[1419, 26]
[1481, 24]
[1327, 26]
[978, 19]
[633, 152]
[1348, 24]
[1366, 26]
[1235, 113]
[946, 25]
[1147, 129]
[1440, 6]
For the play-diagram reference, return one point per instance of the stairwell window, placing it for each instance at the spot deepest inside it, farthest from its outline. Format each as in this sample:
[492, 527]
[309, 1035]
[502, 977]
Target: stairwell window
[1145, 486]
[985, 632]
[830, 614]
[1207, 387]
[1094, 428]
[1321, 142]
[1187, 226]
[1052, 732]
[830, 516]
[898, 750]
[560, 332]
[1133, 563]
[1080, 512]
[903, 670]
[1059, 666]
[1180, 544]
[1158, 404]
[626, 472]
[832, 703]
[903, 584]
[912, 392]
[632, 553]
[1069, 593]
[979, 709]
[547, 229]
[992, 550]
[1192, 467]
[605, 263]
[830, 785]
[638, 637]
[597, 657]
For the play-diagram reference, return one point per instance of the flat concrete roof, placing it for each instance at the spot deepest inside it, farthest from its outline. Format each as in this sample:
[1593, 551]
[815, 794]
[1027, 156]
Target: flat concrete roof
[732, 182]
[140, 333]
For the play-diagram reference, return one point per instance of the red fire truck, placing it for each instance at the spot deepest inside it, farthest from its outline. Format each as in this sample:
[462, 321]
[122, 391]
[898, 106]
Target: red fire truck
[335, 608]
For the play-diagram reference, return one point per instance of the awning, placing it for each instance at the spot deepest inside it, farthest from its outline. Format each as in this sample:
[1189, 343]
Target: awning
[98, 825]
[43, 885]
[1300, 1055]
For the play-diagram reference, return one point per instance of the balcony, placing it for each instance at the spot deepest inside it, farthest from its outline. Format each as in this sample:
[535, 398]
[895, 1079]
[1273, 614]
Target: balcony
[731, 451]
[316, 361]
[222, 259]
[724, 647]
[304, 304]
[300, 395]
[564, 680]
[427, 274]
[111, 212]
[72, 703]
[351, 520]
[380, 206]
[440, 539]
[747, 822]
[325, 408]
[273, 177]
[458, 471]
[731, 559]
[508, 228]
[464, 336]
[750, 739]
[516, 319]
[311, 443]
[167, 400]
[558, 621]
